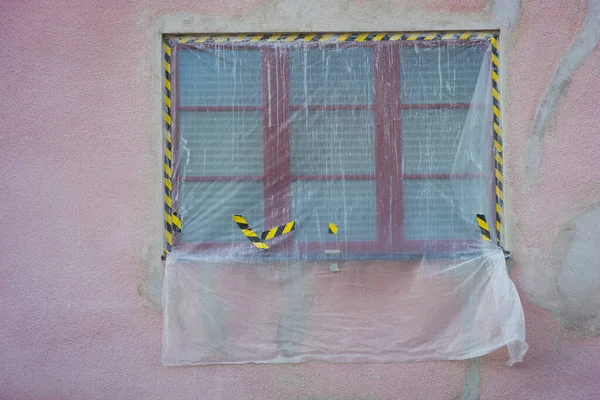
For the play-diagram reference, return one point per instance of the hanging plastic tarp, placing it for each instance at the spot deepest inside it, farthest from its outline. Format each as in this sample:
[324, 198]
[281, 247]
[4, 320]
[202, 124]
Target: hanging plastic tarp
[328, 188]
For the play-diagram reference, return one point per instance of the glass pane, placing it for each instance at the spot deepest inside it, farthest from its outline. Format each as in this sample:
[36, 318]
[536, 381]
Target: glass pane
[432, 139]
[332, 142]
[217, 77]
[440, 74]
[331, 76]
[207, 209]
[349, 204]
[221, 143]
[444, 208]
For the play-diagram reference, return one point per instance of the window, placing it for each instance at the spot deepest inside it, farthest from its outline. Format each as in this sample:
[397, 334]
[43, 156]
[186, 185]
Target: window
[389, 139]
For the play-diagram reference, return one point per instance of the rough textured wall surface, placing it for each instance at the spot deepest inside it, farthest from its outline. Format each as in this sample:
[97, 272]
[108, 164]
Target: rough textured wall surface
[80, 273]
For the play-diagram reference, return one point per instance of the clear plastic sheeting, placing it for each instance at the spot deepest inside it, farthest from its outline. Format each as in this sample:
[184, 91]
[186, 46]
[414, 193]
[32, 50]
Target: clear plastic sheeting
[422, 309]
[392, 143]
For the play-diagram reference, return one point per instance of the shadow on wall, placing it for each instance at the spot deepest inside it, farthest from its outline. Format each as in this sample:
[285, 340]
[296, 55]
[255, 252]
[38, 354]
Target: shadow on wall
[575, 265]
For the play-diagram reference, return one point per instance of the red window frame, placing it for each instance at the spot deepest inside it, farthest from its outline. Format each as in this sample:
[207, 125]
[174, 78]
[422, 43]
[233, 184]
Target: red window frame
[277, 177]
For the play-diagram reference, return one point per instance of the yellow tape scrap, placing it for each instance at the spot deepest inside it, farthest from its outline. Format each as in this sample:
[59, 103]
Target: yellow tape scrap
[333, 228]
[484, 228]
[176, 221]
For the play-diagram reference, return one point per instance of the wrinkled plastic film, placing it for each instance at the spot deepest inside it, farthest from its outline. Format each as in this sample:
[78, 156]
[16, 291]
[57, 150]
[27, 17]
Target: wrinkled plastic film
[391, 143]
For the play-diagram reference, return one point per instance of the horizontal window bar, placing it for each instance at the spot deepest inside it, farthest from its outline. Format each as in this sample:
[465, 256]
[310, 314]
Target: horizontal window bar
[220, 178]
[332, 107]
[220, 108]
[332, 177]
[327, 107]
[444, 176]
[439, 248]
[405, 106]
[239, 178]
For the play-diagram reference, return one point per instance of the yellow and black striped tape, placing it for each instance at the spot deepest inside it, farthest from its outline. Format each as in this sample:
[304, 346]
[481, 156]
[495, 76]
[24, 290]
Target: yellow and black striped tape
[492, 36]
[484, 228]
[171, 219]
[176, 222]
[336, 37]
[333, 228]
[486, 234]
[249, 233]
[498, 149]
[278, 231]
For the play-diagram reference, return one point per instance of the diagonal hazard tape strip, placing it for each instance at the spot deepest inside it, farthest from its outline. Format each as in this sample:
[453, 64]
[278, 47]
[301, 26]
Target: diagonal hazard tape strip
[171, 219]
[249, 233]
[176, 222]
[486, 235]
[338, 37]
[498, 145]
[484, 228]
[278, 231]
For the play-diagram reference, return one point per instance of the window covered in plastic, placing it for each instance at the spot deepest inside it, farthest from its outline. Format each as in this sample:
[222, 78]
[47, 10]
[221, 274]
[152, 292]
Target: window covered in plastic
[389, 138]
[389, 141]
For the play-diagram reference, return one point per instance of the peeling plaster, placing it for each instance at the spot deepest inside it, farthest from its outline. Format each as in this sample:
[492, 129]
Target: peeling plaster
[151, 287]
[579, 50]
[566, 281]
[472, 380]
[579, 274]
[506, 13]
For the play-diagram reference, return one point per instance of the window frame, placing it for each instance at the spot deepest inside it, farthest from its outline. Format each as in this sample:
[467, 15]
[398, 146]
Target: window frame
[279, 105]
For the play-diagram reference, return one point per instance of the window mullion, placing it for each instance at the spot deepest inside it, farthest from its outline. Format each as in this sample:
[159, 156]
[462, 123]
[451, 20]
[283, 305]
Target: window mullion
[380, 71]
[284, 151]
[395, 148]
[388, 146]
[276, 146]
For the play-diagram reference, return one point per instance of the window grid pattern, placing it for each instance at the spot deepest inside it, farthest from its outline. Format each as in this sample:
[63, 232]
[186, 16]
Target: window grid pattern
[353, 102]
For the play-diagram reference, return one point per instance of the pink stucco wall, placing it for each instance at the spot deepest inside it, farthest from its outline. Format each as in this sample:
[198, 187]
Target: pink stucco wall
[81, 205]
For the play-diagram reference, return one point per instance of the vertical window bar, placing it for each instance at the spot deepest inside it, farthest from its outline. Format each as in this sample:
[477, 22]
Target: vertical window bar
[394, 153]
[277, 164]
[383, 134]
